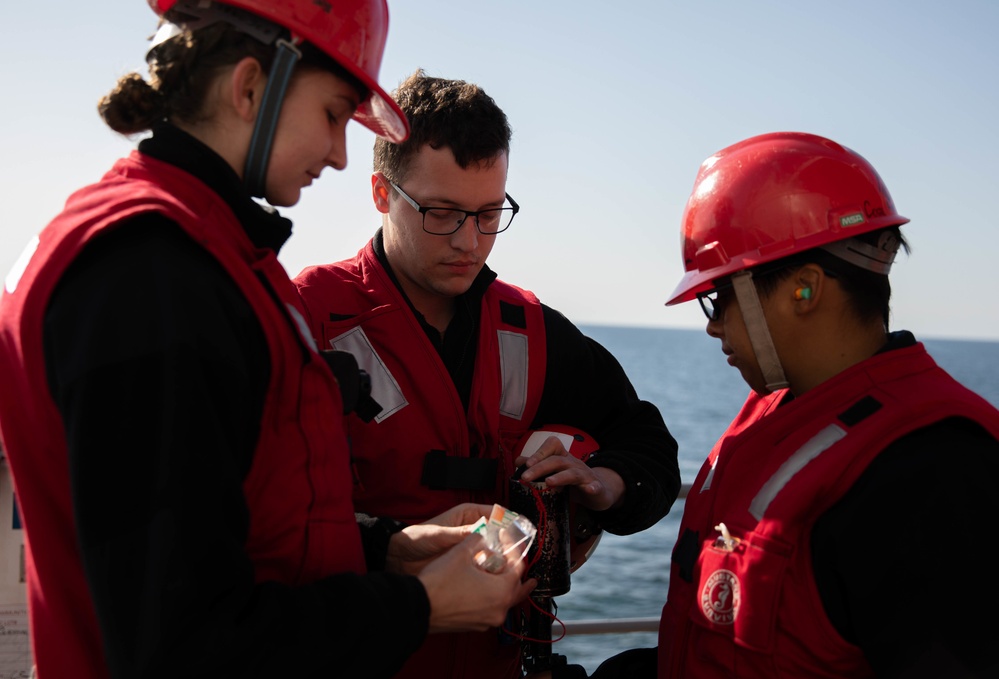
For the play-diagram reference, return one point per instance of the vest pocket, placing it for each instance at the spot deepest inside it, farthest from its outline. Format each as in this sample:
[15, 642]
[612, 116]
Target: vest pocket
[739, 590]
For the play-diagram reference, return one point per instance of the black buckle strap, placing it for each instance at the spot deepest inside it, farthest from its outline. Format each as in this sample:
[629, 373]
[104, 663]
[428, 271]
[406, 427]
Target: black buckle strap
[355, 384]
[441, 472]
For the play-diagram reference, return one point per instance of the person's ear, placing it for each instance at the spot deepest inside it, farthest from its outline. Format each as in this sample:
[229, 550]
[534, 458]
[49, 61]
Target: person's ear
[247, 85]
[807, 286]
[380, 190]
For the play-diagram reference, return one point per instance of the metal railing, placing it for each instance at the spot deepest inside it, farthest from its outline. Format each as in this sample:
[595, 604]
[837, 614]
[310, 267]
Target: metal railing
[611, 625]
[605, 626]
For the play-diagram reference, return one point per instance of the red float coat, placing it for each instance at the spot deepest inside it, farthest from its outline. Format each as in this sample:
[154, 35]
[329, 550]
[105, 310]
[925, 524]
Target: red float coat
[302, 524]
[753, 609]
[422, 412]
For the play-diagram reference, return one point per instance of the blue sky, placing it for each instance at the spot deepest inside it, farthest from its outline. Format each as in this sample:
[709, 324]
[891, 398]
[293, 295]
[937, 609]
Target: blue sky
[613, 107]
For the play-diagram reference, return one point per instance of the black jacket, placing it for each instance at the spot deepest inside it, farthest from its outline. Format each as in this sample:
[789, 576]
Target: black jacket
[145, 335]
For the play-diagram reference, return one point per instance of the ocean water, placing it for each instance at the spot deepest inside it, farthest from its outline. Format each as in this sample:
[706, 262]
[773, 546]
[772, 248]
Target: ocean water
[685, 374]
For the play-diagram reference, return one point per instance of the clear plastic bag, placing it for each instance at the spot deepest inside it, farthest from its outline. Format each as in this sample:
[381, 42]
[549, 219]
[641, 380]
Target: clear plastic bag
[508, 537]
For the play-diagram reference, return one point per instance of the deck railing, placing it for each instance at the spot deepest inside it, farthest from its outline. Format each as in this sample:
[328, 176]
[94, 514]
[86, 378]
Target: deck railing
[606, 626]
[612, 625]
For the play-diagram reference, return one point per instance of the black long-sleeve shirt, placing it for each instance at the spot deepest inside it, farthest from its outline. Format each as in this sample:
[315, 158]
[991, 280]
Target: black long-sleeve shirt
[159, 368]
[894, 558]
[900, 560]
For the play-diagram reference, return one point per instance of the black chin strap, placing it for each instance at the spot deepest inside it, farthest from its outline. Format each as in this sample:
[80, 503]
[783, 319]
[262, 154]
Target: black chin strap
[255, 170]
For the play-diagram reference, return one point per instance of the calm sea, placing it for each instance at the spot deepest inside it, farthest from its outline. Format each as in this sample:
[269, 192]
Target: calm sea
[685, 374]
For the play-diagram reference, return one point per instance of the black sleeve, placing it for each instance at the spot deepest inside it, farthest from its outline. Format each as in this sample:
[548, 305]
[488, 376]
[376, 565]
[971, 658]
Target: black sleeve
[375, 534]
[159, 368]
[902, 561]
[586, 387]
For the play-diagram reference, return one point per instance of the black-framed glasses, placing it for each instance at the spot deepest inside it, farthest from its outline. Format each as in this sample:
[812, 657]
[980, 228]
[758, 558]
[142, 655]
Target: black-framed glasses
[443, 221]
[713, 301]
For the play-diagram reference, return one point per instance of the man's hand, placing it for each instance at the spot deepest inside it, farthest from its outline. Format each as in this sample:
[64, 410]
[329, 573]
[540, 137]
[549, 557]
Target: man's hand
[596, 488]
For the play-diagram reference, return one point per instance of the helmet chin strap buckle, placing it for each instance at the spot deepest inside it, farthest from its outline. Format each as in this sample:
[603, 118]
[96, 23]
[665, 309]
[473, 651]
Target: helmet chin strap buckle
[759, 334]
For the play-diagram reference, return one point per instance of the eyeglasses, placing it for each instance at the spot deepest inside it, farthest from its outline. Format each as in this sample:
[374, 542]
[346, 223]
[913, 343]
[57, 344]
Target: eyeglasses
[443, 221]
[713, 301]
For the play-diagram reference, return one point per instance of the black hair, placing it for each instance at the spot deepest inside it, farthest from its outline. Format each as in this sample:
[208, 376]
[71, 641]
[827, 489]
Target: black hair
[869, 292]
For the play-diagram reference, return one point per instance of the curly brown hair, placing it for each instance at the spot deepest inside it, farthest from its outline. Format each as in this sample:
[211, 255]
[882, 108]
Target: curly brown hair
[444, 113]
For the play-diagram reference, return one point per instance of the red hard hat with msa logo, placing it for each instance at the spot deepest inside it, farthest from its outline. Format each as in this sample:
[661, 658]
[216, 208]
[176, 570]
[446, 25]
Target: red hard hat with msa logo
[774, 195]
[352, 32]
[584, 532]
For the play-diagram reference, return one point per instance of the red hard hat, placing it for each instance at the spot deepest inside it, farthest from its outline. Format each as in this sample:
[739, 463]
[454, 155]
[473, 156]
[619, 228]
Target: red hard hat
[352, 32]
[771, 196]
[584, 532]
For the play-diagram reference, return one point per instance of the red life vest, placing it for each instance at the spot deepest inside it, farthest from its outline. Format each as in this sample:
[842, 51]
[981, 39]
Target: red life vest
[411, 459]
[750, 607]
[302, 525]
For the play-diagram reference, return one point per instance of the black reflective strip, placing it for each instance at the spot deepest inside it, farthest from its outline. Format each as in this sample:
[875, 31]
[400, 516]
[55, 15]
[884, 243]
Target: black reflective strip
[513, 314]
[860, 410]
[441, 472]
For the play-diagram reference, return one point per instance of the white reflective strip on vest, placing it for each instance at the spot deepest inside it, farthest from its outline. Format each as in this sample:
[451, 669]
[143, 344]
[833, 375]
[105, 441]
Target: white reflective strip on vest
[14, 275]
[808, 452]
[710, 477]
[384, 387]
[303, 327]
[513, 366]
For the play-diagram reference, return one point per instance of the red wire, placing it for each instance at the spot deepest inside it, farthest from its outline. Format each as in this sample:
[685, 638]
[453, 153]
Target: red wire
[542, 528]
